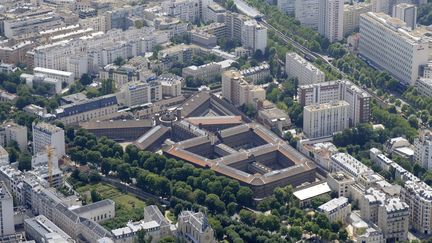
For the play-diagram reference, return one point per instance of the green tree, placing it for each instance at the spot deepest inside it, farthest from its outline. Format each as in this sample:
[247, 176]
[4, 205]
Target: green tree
[108, 87]
[95, 196]
[24, 162]
[86, 79]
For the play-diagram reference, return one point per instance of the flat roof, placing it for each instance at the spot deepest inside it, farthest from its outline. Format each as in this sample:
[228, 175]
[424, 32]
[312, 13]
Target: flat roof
[312, 191]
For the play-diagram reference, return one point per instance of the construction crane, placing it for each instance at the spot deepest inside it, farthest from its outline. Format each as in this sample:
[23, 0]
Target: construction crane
[50, 154]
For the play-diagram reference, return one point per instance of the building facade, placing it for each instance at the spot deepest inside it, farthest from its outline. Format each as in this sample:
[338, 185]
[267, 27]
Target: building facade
[380, 33]
[45, 135]
[298, 67]
[331, 13]
[325, 119]
[359, 100]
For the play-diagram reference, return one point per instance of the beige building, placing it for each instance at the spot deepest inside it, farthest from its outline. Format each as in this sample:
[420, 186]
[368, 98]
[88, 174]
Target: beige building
[87, 110]
[325, 119]
[336, 209]
[351, 19]
[206, 72]
[418, 196]
[340, 182]
[298, 67]
[99, 211]
[330, 23]
[238, 91]
[393, 220]
[326, 92]
[171, 86]
[11, 131]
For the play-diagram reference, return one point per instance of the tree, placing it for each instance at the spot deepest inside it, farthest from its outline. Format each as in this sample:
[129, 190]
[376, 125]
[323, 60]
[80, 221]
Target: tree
[268, 222]
[214, 204]
[119, 61]
[86, 79]
[247, 217]
[108, 87]
[24, 162]
[295, 232]
[244, 196]
[95, 197]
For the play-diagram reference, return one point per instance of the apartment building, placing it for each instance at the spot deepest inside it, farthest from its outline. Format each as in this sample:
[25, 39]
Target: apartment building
[11, 131]
[171, 85]
[140, 93]
[254, 36]
[87, 110]
[298, 67]
[258, 73]
[194, 227]
[214, 13]
[186, 10]
[97, 50]
[351, 18]
[13, 52]
[30, 23]
[336, 209]
[423, 149]
[307, 13]
[286, 6]
[44, 135]
[393, 220]
[381, 6]
[205, 72]
[340, 182]
[238, 91]
[325, 119]
[410, 50]
[331, 13]
[348, 164]
[325, 92]
[418, 196]
[7, 225]
[407, 13]
[120, 75]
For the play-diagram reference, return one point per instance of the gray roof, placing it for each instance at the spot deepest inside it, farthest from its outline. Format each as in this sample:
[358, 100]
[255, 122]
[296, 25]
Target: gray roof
[155, 215]
[93, 206]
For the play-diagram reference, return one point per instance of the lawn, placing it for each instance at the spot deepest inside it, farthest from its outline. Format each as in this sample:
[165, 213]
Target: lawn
[128, 207]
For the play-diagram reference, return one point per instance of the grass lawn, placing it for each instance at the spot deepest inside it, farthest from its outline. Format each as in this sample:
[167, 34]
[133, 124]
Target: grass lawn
[128, 207]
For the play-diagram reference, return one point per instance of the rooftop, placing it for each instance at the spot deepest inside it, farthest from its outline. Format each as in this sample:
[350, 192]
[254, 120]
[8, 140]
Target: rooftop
[334, 204]
[313, 191]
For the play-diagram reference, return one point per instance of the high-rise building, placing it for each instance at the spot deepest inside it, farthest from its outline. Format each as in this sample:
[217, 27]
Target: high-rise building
[331, 19]
[381, 6]
[254, 36]
[7, 225]
[298, 67]
[238, 91]
[325, 119]
[423, 150]
[359, 100]
[307, 12]
[286, 6]
[407, 13]
[351, 19]
[44, 135]
[409, 49]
